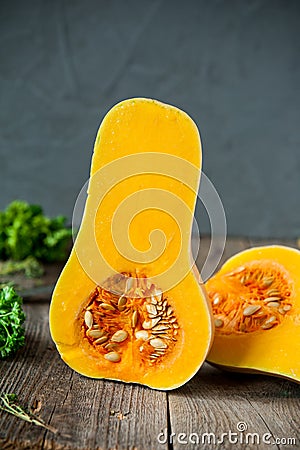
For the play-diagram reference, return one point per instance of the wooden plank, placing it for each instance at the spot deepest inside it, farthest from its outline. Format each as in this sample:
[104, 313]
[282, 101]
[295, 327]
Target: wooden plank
[89, 414]
[95, 414]
[216, 402]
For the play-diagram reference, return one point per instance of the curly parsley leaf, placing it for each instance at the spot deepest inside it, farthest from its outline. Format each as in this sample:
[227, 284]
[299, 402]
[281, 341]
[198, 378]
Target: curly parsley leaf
[26, 231]
[12, 333]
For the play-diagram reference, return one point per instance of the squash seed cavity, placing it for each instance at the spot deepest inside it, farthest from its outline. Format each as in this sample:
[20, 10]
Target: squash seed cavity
[253, 297]
[130, 313]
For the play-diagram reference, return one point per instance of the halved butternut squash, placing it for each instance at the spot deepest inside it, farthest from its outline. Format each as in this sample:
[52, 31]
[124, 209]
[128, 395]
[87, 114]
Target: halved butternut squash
[256, 305]
[129, 304]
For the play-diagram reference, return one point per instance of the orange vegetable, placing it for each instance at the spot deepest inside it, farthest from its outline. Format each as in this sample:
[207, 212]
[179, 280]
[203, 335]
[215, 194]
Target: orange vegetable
[128, 304]
[256, 305]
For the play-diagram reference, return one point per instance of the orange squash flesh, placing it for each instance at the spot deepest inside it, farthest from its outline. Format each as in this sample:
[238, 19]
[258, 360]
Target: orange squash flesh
[131, 262]
[256, 305]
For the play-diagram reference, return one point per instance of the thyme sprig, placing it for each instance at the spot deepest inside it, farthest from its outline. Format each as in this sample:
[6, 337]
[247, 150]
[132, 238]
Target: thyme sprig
[10, 405]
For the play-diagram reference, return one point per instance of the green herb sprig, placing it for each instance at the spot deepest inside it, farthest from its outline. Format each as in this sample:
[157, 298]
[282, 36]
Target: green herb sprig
[10, 405]
[26, 231]
[12, 333]
[29, 266]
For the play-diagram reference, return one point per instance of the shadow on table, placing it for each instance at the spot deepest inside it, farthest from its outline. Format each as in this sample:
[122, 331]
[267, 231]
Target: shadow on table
[211, 380]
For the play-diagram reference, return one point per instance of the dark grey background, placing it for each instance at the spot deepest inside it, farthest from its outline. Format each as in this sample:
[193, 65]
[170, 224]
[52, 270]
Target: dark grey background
[234, 66]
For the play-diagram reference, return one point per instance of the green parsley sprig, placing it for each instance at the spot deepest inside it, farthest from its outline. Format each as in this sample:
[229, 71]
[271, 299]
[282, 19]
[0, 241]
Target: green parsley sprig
[26, 231]
[12, 333]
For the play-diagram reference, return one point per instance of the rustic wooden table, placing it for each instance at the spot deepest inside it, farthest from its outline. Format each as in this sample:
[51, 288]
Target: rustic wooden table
[94, 414]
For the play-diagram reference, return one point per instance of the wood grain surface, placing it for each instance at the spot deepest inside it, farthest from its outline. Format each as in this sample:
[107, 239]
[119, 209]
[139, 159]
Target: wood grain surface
[94, 414]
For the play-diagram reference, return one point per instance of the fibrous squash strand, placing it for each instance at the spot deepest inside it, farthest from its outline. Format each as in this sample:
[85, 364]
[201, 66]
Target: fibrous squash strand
[129, 308]
[255, 296]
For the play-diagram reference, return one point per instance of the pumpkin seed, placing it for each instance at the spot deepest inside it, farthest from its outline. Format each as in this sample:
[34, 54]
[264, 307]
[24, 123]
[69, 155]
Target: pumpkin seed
[267, 326]
[95, 334]
[113, 356]
[119, 336]
[129, 284]
[287, 307]
[88, 319]
[151, 316]
[160, 351]
[148, 324]
[236, 271]
[151, 309]
[122, 301]
[251, 309]
[101, 340]
[272, 299]
[169, 310]
[216, 299]
[107, 307]
[270, 319]
[153, 300]
[158, 343]
[273, 304]
[159, 324]
[273, 292]
[269, 323]
[158, 332]
[218, 322]
[267, 281]
[161, 327]
[142, 334]
[112, 346]
[134, 319]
